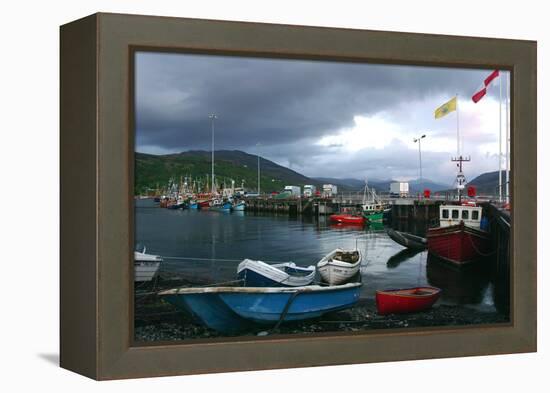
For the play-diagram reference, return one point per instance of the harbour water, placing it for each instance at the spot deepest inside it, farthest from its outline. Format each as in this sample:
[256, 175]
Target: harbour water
[205, 247]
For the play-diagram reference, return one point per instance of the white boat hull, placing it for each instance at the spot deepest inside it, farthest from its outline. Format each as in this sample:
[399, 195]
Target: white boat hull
[336, 272]
[145, 271]
[145, 266]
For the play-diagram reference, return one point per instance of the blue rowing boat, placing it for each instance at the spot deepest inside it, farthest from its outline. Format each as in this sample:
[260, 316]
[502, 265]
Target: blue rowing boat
[231, 310]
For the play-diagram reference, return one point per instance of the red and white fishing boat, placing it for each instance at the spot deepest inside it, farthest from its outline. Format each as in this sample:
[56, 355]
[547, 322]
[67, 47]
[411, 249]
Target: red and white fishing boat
[399, 301]
[347, 219]
[459, 239]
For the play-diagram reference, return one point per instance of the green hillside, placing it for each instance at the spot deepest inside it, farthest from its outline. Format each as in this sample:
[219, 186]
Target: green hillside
[157, 170]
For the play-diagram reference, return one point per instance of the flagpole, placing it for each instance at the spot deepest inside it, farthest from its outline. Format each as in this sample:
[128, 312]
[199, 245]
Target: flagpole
[457, 128]
[507, 140]
[500, 141]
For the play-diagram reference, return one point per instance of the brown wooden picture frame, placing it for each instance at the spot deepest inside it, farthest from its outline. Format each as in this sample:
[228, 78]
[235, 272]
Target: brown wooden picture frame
[96, 316]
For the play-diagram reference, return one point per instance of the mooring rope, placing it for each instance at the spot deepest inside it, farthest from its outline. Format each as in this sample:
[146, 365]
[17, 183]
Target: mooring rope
[215, 259]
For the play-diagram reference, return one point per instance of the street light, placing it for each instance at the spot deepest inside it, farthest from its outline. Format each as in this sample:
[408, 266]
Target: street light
[420, 158]
[258, 154]
[212, 117]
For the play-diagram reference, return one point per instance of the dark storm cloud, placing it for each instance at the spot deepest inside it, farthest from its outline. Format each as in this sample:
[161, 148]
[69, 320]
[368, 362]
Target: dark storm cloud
[269, 100]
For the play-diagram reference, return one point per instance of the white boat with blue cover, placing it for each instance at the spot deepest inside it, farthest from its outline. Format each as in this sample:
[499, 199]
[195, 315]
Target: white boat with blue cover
[233, 309]
[260, 274]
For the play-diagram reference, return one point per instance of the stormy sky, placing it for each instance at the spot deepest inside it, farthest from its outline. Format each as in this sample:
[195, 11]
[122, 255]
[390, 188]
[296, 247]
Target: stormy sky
[319, 118]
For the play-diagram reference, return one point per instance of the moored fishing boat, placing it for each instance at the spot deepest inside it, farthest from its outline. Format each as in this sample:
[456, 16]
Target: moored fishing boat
[260, 274]
[459, 238]
[204, 204]
[347, 219]
[193, 205]
[221, 206]
[399, 301]
[239, 206]
[339, 266]
[232, 309]
[145, 266]
[372, 207]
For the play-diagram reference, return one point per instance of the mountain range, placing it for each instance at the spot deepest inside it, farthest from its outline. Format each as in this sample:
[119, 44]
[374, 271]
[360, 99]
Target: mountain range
[154, 171]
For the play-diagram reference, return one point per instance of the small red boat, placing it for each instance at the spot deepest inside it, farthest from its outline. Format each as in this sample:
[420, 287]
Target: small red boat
[347, 219]
[400, 301]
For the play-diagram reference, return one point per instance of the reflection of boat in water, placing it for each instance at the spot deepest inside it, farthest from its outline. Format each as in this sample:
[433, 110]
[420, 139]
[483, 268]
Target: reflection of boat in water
[339, 266]
[376, 226]
[233, 309]
[407, 240]
[260, 274]
[401, 301]
[400, 257]
[461, 286]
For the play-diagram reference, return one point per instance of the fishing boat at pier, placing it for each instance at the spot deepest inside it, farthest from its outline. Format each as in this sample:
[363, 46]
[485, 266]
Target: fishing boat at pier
[459, 238]
[146, 266]
[372, 207]
[219, 206]
[239, 206]
[400, 301]
[260, 274]
[230, 310]
[339, 266]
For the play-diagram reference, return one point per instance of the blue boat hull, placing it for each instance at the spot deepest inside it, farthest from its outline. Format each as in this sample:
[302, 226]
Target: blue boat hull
[231, 310]
[239, 207]
[211, 311]
[268, 308]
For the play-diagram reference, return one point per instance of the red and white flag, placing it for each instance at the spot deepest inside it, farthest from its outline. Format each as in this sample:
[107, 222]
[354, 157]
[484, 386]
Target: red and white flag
[481, 93]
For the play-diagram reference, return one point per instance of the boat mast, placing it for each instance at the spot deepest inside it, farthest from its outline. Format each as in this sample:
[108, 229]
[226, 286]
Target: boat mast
[460, 178]
[212, 117]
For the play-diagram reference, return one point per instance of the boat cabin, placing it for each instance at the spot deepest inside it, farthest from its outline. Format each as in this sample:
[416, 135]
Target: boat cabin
[373, 207]
[453, 214]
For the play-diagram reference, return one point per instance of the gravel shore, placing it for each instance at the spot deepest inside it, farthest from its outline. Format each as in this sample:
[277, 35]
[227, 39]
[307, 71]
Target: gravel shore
[157, 320]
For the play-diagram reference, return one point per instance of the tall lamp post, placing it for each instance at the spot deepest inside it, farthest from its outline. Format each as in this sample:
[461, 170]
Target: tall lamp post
[258, 154]
[212, 117]
[420, 158]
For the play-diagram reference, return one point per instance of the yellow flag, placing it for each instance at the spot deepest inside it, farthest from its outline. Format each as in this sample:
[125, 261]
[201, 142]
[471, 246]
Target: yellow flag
[446, 108]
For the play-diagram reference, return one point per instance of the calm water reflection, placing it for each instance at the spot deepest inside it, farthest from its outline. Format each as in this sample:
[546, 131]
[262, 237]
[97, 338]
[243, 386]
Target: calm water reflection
[215, 243]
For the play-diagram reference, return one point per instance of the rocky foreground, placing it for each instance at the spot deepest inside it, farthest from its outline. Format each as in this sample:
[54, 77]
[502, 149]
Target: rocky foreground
[159, 321]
